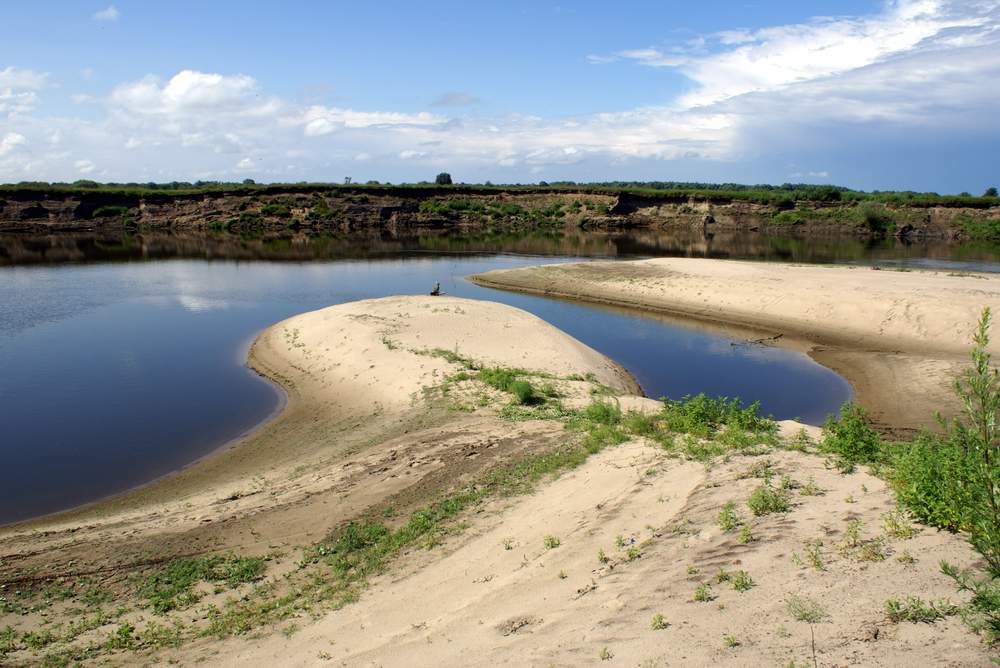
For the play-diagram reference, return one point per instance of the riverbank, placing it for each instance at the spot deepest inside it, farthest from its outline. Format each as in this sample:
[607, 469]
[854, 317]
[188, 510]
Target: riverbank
[898, 337]
[454, 478]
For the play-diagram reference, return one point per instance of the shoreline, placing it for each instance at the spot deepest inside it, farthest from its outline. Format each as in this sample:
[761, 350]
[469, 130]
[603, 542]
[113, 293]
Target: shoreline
[878, 355]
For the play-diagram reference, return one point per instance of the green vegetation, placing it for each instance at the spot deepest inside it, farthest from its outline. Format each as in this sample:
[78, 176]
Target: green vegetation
[850, 438]
[915, 610]
[805, 609]
[658, 623]
[767, 499]
[729, 517]
[170, 587]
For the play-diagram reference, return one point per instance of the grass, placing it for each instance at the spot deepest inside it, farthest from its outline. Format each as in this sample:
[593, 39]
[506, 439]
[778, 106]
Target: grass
[170, 587]
[658, 623]
[551, 542]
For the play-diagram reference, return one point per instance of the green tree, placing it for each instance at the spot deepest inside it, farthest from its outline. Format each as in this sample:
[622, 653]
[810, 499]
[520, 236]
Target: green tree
[990, 192]
[443, 179]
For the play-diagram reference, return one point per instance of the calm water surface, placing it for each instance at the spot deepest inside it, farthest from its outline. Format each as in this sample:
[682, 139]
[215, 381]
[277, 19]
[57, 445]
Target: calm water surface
[112, 374]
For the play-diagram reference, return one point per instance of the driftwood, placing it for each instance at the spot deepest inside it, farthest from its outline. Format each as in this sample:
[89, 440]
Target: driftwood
[757, 342]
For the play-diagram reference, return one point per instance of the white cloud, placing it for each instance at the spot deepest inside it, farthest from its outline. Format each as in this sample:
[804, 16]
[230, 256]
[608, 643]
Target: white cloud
[108, 14]
[318, 120]
[191, 92]
[13, 77]
[10, 141]
[84, 166]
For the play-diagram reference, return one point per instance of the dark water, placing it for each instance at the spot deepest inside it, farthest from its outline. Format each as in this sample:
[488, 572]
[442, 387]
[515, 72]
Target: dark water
[116, 368]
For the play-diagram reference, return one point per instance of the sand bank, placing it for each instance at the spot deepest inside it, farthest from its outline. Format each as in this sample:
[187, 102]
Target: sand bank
[898, 337]
[357, 414]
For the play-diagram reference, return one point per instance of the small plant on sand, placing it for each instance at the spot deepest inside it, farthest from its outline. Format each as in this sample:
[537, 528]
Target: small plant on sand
[805, 609]
[896, 524]
[741, 581]
[703, 593]
[658, 623]
[619, 541]
[508, 543]
[746, 534]
[633, 553]
[766, 500]
[761, 469]
[562, 575]
[730, 640]
[814, 554]
[852, 537]
[729, 517]
[601, 557]
[810, 488]
[605, 654]
[551, 542]
[914, 609]
[982, 612]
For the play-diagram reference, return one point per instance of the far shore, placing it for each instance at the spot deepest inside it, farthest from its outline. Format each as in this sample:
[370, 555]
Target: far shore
[899, 337]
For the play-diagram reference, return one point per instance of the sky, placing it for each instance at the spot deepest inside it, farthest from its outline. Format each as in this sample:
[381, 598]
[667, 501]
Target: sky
[899, 94]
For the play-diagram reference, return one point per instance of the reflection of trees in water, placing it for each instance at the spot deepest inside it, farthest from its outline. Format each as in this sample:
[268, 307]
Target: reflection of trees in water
[93, 247]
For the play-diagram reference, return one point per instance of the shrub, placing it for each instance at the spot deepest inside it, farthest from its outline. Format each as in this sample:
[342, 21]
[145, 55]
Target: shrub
[109, 211]
[703, 416]
[443, 179]
[876, 217]
[850, 438]
[915, 610]
[729, 517]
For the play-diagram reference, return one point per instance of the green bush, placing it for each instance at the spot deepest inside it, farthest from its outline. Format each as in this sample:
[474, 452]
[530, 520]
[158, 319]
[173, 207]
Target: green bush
[109, 211]
[927, 474]
[850, 438]
[703, 416]
[767, 499]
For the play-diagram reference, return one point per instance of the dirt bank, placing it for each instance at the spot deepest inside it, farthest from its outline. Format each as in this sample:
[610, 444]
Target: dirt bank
[898, 337]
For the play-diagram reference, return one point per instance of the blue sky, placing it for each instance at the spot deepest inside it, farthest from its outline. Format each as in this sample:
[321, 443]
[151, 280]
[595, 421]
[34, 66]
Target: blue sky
[876, 95]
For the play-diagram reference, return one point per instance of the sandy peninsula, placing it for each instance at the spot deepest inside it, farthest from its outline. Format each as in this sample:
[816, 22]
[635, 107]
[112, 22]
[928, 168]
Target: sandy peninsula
[899, 337]
[388, 412]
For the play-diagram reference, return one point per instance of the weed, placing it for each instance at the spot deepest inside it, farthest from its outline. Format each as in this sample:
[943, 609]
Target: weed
[982, 612]
[730, 640]
[810, 488]
[746, 534]
[761, 469]
[814, 554]
[605, 654]
[896, 524]
[805, 609]
[729, 517]
[658, 623]
[601, 557]
[633, 553]
[906, 558]
[551, 542]
[619, 541]
[741, 581]
[766, 500]
[508, 543]
[562, 575]
[121, 638]
[703, 593]
[914, 609]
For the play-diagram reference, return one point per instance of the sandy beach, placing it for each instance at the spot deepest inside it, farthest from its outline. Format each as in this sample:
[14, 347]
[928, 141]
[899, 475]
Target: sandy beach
[899, 337]
[383, 415]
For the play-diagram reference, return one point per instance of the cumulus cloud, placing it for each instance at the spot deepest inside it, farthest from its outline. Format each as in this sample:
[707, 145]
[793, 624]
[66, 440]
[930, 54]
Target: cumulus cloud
[108, 14]
[10, 141]
[84, 166]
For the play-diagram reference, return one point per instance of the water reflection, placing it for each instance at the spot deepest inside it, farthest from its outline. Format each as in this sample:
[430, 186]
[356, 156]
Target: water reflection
[93, 247]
